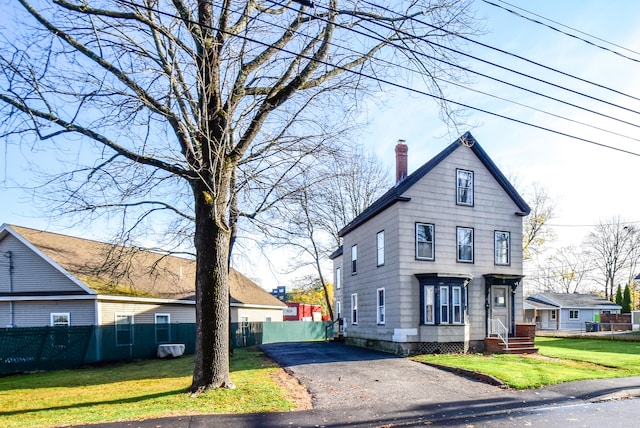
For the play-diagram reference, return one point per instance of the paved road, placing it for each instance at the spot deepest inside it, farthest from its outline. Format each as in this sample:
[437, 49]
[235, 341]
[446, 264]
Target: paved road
[362, 388]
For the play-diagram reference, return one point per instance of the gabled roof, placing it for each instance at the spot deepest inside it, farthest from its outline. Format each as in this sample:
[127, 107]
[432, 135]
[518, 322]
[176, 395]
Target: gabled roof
[106, 269]
[570, 300]
[395, 194]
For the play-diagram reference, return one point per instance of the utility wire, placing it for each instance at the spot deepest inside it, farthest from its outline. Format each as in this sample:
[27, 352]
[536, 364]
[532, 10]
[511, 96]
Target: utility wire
[564, 32]
[406, 68]
[471, 71]
[470, 40]
[392, 84]
[494, 64]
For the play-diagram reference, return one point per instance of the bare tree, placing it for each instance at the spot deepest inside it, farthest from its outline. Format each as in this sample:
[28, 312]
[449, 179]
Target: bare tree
[321, 204]
[161, 107]
[568, 267]
[614, 246]
[536, 231]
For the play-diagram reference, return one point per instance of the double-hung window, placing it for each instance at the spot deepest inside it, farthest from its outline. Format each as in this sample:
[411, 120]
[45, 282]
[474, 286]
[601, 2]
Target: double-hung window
[380, 305]
[380, 247]
[502, 247]
[456, 305]
[429, 305]
[60, 333]
[574, 314]
[465, 244]
[338, 278]
[424, 241]
[163, 322]
[464, 187]
[124, 329]
[354, 260]
[444, 305]
[354, 308]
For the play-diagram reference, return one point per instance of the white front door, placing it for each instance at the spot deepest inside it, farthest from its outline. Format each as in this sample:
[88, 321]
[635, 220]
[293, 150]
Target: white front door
[500, 303]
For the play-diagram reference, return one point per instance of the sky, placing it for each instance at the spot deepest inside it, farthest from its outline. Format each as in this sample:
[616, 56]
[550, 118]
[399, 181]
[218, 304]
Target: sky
[588, 182]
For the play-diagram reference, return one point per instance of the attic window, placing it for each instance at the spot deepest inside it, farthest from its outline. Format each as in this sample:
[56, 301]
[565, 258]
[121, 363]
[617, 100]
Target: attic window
[464, 187]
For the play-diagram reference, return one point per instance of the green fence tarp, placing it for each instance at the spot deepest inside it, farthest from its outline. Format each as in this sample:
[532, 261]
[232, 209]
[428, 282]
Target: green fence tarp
[52, 348]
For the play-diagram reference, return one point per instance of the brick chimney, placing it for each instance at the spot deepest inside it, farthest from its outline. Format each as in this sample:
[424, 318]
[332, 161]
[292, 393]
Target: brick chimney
[401, 160]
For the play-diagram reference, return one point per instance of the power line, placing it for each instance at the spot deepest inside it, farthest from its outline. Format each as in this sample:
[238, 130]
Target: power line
[468, 70]
[392, 84]
[564, 32]
[460, 85]
[415, 52]
[468, 39]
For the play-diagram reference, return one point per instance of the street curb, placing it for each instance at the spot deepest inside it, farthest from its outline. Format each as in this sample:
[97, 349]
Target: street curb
[488, 379]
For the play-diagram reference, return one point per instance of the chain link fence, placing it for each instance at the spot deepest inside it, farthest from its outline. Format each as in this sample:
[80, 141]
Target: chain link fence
[25, 349]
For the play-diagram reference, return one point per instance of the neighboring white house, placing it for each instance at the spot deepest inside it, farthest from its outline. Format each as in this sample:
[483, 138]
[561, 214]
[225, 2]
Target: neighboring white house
[563, 311]
[435, 264]
[49, 279]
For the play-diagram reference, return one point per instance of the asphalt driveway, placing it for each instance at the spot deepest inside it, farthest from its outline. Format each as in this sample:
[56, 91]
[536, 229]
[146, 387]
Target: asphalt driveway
[356, 384]
[357, 387]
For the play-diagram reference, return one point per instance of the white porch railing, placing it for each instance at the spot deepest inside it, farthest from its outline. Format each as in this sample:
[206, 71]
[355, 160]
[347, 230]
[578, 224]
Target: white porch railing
[500, 330]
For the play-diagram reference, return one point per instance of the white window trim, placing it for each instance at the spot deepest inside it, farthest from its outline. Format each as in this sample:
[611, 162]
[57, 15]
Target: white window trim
[432, 289]
[380, 308]
[155, 318]
[458, 244]
[338, 305]
[457, 289]
[124, 314]
[354, 309]
[577, 312]
[495, 248]
[64, 314]
[470, 187]
[380, 248]
[444, 291]
[553, 315]
[338, 278]
[433, 244]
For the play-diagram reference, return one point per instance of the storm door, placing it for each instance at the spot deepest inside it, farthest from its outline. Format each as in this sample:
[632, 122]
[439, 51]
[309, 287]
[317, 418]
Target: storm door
[500, 308]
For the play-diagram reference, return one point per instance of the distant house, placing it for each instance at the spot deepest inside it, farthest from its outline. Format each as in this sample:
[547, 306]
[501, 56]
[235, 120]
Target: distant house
[435, 264]
[564, 311]
[49, 279]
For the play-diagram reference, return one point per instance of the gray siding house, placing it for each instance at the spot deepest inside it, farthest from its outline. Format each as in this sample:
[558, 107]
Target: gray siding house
[563, 311]
[435, 264]
[49, 279]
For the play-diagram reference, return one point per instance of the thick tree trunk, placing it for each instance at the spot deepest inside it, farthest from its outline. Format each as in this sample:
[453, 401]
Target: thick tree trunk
[212, 298]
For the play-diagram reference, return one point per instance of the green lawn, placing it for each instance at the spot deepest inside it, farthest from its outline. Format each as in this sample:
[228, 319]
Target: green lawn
[138, 390]
[559, 360]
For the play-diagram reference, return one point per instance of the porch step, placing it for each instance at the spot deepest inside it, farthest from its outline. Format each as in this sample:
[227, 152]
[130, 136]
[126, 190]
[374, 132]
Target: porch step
[517, 345]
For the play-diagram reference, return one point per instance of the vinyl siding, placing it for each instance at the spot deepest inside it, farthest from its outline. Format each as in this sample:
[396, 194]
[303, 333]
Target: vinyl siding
[5, 318]
[144, 313]
[370, 277]
[433, 200]
[38, 313]
[31, 273]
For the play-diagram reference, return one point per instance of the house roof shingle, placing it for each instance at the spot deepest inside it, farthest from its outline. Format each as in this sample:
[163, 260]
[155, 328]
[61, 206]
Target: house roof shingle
[127, 271]
[570, 300]
[395, 194]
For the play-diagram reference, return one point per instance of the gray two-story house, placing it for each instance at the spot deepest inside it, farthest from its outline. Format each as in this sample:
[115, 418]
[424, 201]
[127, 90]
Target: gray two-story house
[435, 264]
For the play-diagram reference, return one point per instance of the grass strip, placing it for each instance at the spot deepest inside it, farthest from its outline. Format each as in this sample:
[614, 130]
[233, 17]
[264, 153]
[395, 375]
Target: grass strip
[559, 360]
[137, 390]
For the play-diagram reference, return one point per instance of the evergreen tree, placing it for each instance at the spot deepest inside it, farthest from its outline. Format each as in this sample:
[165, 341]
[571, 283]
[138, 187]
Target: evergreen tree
[626, 300]
[618, 300]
